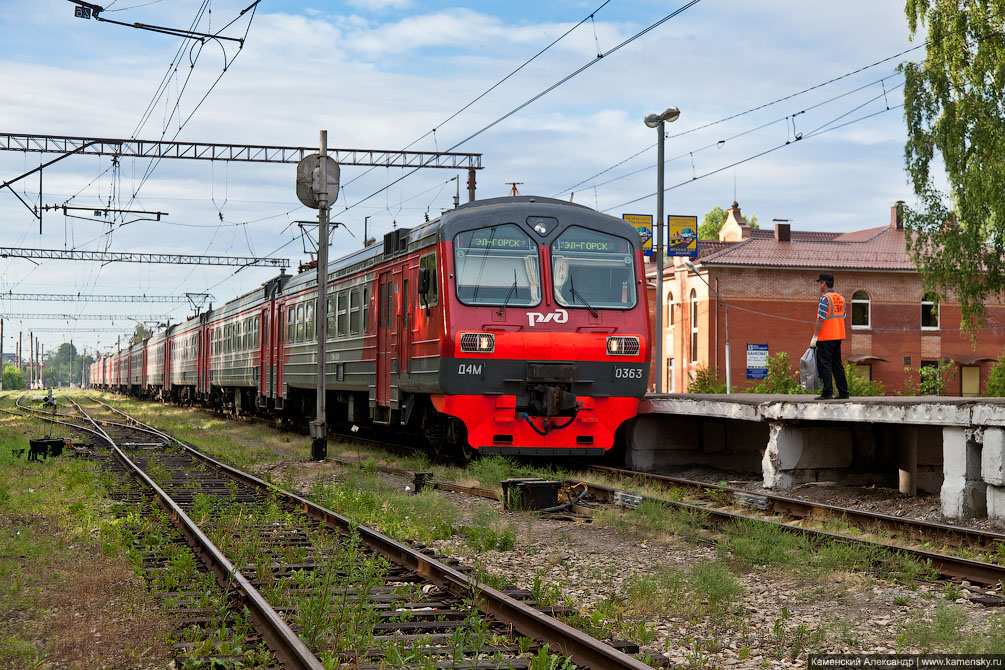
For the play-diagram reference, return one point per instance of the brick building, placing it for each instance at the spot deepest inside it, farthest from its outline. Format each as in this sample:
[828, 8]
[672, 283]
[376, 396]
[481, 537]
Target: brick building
[766, 280]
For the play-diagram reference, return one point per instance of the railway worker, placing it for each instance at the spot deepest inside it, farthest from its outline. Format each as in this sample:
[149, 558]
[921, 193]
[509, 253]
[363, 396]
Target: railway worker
[827, 338]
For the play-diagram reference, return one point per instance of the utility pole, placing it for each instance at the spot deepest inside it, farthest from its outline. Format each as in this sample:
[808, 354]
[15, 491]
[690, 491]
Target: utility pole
[1, 354]
[317, 187]
[39, 351]
[31, 359]
[319, 448]
[69, 364]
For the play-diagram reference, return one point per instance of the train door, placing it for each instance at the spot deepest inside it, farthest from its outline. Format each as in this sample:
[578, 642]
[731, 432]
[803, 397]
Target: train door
[385, 305]
[404, 327]
[262, 333]
[280, 331]
[143, 376]
[167, 363]
[200, 358]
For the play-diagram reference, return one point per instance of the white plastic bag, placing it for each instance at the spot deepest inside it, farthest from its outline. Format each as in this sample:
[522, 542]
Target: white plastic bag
[808, 377]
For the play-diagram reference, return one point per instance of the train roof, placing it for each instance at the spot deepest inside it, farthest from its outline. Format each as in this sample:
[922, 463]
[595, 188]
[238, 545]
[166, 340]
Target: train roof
[404, 240]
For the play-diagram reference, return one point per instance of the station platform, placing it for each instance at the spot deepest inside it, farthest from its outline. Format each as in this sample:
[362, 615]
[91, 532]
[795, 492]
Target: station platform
[935, 444]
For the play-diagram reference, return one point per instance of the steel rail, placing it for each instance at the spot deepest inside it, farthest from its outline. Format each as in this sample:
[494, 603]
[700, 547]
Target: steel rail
[286, 644]
[582, 648]
[809, 509]
[950, 566]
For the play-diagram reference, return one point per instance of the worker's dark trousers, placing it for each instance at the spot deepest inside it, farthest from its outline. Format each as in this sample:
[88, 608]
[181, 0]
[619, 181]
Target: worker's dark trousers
[829, 363]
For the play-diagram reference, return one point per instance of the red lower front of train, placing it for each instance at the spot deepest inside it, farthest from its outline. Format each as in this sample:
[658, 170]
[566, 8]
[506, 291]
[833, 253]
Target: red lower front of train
[495, 425]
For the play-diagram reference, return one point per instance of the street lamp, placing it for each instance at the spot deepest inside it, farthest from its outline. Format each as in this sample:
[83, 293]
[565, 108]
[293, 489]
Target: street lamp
[658, 121]
[729, 376]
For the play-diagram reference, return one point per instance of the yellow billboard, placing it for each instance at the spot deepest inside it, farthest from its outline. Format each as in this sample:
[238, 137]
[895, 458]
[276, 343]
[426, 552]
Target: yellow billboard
[682, 236]
[644, 224]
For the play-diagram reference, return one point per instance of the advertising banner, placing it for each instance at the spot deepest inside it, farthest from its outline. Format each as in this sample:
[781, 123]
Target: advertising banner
[682, 236]
[644, 224]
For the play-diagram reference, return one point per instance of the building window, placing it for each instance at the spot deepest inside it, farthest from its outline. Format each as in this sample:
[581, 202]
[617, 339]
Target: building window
[929, 312]
[861, 310]
[669, 315]
[694, 326]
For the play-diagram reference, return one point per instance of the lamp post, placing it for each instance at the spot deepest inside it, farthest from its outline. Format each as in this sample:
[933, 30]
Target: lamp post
[659, 121]
[729, 375]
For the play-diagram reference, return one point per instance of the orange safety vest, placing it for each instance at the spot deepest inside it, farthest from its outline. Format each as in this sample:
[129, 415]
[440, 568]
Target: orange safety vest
[833, 328]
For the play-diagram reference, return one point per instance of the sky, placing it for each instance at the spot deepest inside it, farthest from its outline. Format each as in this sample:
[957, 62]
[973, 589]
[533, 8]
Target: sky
[749, 78]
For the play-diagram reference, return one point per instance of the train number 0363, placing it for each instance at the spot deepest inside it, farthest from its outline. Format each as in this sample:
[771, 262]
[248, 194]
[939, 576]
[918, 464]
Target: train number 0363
[628, 373]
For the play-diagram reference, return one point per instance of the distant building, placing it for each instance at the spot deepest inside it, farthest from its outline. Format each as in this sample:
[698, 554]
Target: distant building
[766, 277]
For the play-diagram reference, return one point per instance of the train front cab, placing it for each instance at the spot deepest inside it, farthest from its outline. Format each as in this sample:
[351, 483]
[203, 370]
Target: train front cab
[547, 349]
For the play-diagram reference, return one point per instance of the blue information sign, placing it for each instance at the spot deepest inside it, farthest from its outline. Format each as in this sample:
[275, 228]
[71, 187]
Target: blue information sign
[757, 361]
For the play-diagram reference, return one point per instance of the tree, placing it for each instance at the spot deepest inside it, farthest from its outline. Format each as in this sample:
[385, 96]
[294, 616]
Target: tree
[952, 105]
[13, 378]
[140, 333]
[709, 228]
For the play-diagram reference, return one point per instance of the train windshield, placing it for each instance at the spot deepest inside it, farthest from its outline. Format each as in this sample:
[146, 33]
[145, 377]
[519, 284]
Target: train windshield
[497, 266]
[593, 270]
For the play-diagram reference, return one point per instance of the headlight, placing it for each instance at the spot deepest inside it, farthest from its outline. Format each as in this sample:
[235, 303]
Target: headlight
[478, 343]
[622, 346]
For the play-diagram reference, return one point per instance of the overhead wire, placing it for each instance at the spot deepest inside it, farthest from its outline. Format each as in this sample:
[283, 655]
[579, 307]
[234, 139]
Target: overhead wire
[787, 143]
[533, 99]
[491, 88]
[786, 97]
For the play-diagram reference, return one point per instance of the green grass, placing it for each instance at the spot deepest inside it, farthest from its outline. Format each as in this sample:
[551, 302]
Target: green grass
[752, 543]
[488, 531]
[651, 519]
[947, 631]
[57, 532]
[365, 498]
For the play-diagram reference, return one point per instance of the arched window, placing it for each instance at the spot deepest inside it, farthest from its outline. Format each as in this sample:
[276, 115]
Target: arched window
[669, 315]
[861, 310]
[694, 326]
[929, 312]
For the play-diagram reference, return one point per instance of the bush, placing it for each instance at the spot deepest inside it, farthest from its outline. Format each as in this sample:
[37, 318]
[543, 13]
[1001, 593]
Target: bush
[859, 385]
[706, 381]
[782, 378]
[996, 380]
[933, 379]
[13, 378]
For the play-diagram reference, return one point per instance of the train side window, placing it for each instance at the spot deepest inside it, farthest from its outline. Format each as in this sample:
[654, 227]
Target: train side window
[432, 296]
[290, 324]
[255, 332]
[331, 317]
[226, 339]
[300, 322]
[309, 334]
[341, 313]
[354, 312]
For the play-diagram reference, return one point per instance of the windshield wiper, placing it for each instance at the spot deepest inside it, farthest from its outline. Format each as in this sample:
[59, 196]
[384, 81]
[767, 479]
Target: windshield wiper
[575, 294]
[509, 294]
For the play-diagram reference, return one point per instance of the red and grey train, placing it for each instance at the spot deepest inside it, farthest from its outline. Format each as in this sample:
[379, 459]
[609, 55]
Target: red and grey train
[513, 325]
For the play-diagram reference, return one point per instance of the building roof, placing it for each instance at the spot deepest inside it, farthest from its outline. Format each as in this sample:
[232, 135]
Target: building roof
[871, 249]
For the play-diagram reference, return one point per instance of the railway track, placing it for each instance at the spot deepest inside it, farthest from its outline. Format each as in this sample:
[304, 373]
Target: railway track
[318, 590]
[907, 530]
